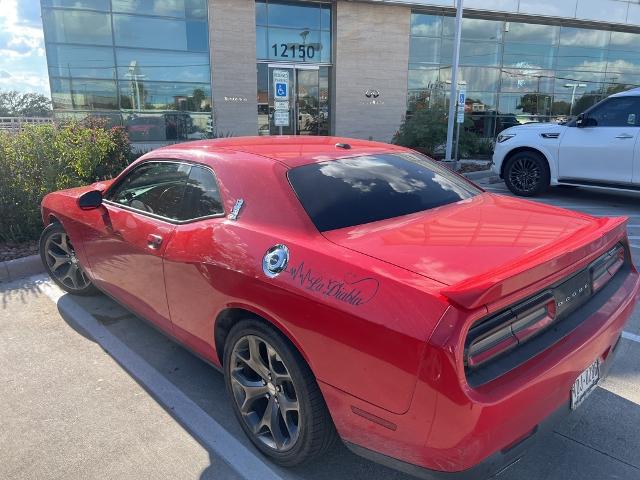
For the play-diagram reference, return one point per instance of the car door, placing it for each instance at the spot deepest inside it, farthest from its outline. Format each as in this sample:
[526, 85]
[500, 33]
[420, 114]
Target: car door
[128, 237]
[600, 148]
[195, 260]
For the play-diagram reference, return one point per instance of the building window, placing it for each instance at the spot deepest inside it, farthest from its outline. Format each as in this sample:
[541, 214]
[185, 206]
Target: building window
[293, 32]
[144, 65]
[517, 72]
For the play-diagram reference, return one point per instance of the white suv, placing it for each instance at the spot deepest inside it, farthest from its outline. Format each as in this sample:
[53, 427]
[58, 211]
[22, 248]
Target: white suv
[600, 148]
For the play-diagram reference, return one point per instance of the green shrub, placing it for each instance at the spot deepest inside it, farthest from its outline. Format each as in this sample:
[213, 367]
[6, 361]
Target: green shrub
[426, 131]
[44, 158]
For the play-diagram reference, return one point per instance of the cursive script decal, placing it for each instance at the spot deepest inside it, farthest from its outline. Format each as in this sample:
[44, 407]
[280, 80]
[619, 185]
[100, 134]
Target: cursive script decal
[354, 291]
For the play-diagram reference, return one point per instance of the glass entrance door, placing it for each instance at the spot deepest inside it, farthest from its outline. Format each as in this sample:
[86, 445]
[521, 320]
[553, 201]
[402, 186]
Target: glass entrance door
[293, 99]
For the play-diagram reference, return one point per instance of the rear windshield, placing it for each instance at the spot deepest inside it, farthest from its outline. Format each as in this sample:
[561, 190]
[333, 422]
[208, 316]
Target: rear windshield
[357, 190]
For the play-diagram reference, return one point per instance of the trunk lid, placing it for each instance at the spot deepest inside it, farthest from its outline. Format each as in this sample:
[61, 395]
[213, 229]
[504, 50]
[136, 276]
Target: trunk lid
[485, 247]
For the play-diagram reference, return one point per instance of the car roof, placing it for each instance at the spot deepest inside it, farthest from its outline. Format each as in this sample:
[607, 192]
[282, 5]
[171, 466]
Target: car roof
[292, 151]
[634, 92]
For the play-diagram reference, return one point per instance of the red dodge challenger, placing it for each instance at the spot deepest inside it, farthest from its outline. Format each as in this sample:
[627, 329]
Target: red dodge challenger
[356, 289]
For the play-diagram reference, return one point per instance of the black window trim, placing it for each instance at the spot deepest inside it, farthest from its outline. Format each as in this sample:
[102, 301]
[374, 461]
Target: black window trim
[160, 217]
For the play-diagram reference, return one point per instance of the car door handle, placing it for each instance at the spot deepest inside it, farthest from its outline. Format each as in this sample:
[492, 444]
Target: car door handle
[154, 241]
[624, 136]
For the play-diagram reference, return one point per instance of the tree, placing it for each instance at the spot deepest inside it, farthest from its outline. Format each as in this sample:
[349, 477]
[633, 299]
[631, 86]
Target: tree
[426, 131]
[16, 104]
[535, 104]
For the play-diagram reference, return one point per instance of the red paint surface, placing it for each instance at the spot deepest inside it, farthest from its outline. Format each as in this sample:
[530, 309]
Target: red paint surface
[427, 277]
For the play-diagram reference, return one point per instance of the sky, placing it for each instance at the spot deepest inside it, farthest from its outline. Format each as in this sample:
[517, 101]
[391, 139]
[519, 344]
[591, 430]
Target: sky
[23, 64]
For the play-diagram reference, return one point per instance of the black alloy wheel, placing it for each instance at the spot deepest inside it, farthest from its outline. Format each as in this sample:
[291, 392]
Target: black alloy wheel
[61, 263]
[275, 396]
[527, 174]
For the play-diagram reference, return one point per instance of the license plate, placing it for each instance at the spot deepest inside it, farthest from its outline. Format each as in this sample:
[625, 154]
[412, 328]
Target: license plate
[585, 384]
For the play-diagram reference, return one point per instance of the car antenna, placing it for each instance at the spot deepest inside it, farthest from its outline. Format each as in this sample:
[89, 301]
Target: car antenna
[346, 146]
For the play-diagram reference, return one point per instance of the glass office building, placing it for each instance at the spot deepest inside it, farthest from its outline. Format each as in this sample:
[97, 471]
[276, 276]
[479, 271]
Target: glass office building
[141, 64]
[518, 72]
[174, 70]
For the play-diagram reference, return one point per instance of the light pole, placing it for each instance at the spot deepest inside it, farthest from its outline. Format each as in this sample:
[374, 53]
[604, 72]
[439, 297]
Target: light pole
[574, 87]
[453, 94]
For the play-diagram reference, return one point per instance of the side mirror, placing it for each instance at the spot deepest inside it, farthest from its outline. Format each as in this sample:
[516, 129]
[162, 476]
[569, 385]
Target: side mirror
[580, 121]
[90, 200]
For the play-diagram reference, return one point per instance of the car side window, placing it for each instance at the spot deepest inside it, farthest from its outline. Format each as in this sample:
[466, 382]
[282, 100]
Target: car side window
[202, 196]
[154, 187]
[616, 112]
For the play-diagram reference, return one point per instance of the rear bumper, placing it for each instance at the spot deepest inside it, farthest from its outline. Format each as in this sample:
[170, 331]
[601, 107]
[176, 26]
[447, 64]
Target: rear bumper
[492, 465]
[455, 431]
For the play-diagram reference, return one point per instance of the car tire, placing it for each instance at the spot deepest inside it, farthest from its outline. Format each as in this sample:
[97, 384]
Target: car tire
[278, 380]
[527, 174]
[60, 261]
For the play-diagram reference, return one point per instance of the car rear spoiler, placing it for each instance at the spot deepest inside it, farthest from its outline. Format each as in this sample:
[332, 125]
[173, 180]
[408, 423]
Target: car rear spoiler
[510, 278]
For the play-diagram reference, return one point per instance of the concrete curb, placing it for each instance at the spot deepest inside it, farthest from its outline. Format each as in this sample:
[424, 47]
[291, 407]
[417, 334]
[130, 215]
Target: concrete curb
[21, 267]
[481, 175]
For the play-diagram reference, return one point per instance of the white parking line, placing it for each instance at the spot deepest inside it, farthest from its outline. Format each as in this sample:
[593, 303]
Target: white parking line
[197, 421]
[631, 336]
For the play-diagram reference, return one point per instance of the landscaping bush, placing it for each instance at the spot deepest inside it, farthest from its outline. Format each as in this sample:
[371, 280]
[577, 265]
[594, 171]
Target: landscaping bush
[426, 131]
[44, 158]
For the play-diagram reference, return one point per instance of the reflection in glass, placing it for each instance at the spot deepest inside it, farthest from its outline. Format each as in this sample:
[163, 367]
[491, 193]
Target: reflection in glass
[102, 5]
[475, 29]
[532, 33]
[525, 72]
[294, 15]
[261, 12]
[424, 50]
[160, 33]
[293, 32]
[80, 62]
[70, 26]
[584, 37]
[374, 187]
[527, 80]
[526, 55]
[163, 66]
[426, 25]
[163, 8]
[472, 53]
[580, 58]
[623, 61]
[422, 77]
[475, 78]
[202, 197]
[83, 94]
[138, 94]
[159, 92]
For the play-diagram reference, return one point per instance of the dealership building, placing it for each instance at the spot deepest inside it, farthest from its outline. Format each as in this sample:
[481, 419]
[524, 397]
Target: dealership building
[173, 70]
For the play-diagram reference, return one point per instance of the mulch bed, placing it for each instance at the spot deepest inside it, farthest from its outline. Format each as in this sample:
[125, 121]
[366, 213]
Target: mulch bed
[473, 167]
[11, 251]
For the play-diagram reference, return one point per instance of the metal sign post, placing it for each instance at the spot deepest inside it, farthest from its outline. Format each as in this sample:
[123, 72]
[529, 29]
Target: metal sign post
[462, 100]
[454, 79]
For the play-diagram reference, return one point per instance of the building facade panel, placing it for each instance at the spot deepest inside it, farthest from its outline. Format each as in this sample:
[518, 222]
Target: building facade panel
[372, 53]
[233, 52]
[175, 70]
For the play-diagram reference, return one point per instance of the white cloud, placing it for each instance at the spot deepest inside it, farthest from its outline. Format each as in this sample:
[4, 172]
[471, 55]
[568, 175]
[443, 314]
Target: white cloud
[22, 56]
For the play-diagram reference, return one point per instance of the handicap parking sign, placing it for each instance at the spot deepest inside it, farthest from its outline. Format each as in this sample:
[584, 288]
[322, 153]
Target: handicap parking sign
[281, 90]
[281, 84]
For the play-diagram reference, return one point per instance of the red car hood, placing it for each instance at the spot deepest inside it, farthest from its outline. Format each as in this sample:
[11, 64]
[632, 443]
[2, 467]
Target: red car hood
[485, 247]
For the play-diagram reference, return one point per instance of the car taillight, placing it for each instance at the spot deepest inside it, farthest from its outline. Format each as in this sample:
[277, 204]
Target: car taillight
[606, 267]
[535, 319]
[513, 327]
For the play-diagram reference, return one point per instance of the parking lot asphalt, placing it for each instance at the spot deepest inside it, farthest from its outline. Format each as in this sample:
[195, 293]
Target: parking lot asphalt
[90, 391]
